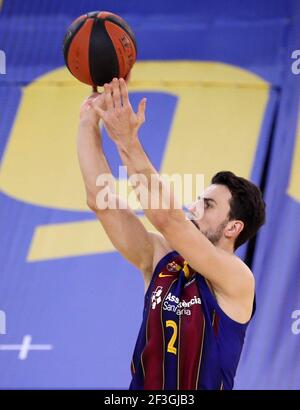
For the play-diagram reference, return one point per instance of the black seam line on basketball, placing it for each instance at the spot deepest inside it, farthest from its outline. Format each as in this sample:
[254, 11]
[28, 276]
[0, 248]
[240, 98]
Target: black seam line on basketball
[70, 34]
[103, 63]
[94, 17]
[125, 27]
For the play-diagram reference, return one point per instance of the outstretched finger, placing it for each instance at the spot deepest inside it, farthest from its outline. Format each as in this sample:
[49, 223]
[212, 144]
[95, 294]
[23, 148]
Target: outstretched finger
[108, 97]
[116, 94]
[141, 110]
[124, 92]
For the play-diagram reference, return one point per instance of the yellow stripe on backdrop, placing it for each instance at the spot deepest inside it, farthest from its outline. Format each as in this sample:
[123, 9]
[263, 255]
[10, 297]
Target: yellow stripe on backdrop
[1, 4]
[294, 185]
[57, 240]
[71, 239]
[216, 126]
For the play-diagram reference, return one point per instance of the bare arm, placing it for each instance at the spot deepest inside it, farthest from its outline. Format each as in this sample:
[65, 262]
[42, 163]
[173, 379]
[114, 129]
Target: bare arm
[228, 275]
[123, 227]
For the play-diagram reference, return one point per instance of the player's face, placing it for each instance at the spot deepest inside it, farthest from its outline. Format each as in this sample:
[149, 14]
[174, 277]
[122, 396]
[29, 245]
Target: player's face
[210, 212]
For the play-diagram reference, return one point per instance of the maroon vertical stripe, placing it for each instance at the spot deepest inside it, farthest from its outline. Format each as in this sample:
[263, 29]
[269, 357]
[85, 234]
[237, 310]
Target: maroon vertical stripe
[191, 334]
[153, 355]
[215, 323]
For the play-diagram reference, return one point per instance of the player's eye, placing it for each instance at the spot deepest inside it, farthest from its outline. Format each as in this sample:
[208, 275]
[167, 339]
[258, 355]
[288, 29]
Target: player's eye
[206, 204]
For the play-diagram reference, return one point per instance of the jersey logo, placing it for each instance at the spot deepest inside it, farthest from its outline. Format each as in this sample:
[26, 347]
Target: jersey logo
[161, 275]
[156, 297]
[173, 267]
[173, 303]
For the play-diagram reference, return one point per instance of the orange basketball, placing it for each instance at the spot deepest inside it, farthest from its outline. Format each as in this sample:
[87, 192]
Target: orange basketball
[99, 46]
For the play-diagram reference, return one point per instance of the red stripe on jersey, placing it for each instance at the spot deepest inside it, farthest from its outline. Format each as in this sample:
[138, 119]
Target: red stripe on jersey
[215, 322]
[154, 352]
[191, 335]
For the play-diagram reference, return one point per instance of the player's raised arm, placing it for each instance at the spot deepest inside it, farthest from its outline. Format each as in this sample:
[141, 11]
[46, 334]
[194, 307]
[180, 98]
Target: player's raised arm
[122, 226]
[228, 274]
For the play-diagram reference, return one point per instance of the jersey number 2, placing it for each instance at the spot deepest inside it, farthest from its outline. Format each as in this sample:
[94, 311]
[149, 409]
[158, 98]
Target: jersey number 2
[171, 347]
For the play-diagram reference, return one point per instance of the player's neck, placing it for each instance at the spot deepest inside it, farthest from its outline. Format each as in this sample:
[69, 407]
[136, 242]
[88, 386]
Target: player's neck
[225, 246]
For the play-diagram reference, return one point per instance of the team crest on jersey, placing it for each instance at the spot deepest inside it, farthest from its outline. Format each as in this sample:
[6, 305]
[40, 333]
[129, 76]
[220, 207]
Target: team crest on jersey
[173, 267]
[156, 297]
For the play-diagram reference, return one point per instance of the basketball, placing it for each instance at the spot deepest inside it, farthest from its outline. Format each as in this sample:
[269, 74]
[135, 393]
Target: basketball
[99, 46]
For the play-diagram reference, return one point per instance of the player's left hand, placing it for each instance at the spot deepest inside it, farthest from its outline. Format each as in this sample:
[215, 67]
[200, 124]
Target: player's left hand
[120, 121]
[87, 114]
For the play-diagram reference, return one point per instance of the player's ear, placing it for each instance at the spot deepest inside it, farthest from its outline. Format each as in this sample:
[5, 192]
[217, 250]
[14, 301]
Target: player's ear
[234, 228]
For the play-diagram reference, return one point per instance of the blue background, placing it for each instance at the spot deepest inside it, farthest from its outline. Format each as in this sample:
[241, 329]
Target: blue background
[65, 302]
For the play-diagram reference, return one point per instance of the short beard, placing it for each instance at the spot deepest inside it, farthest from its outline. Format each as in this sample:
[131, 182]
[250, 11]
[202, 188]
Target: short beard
[214, 237]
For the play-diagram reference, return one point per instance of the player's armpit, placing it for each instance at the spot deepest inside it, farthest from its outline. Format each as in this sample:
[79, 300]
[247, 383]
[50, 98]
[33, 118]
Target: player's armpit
[161, 248]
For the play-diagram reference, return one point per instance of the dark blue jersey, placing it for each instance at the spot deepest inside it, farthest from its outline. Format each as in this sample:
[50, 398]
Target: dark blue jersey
[185, 341]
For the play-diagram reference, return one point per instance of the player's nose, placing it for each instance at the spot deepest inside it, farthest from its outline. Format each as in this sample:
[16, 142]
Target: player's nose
[197, 209]
[192, 207]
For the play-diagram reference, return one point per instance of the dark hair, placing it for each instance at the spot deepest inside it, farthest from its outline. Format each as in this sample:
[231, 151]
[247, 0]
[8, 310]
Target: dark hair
[246, 204]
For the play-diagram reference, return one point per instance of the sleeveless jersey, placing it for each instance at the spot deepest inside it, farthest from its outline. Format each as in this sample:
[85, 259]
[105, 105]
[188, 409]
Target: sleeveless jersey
[186, 341]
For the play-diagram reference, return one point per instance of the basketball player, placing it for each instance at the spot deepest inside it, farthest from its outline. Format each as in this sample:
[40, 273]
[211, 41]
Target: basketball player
[199, 296]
